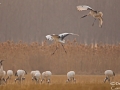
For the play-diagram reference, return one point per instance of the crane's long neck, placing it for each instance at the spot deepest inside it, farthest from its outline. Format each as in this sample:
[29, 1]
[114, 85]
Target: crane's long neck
[1, 67]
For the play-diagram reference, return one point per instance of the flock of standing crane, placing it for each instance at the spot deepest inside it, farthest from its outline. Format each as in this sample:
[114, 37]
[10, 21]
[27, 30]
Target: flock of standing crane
[36, 75]
[45, 76]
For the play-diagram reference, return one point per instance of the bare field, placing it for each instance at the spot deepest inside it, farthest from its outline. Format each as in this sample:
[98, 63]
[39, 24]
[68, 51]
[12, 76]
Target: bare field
[58, 82]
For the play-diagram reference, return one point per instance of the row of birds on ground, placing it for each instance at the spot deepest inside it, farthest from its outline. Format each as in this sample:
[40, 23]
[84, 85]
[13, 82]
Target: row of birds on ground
[45, 76]
[60, 38]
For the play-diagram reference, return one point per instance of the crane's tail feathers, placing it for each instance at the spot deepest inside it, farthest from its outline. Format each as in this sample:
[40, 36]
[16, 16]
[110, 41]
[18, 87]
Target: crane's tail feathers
[25, 71]
[16, 74]
[114, 73]
[101, 14]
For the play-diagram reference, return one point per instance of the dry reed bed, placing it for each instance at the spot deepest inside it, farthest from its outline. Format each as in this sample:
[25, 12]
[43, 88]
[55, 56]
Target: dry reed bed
[84, 82]
[83, 59]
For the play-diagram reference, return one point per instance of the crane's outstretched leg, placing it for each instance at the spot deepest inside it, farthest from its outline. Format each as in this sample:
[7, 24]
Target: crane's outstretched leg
[83, 16]
[63, 48]
[55, 50]
[94, 22]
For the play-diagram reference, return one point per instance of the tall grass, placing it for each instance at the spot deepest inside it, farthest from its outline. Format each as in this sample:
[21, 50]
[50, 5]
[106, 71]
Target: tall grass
[83, 59]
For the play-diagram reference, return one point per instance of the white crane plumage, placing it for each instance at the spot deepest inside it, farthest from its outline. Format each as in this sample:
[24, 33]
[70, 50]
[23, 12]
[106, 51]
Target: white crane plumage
[35, 75]
[71, 76]
[95, 14]
[108, 74]
[84, 7]
[9, 74]
[46, 76]
[59, 38]
[20, 75]
[1, 73]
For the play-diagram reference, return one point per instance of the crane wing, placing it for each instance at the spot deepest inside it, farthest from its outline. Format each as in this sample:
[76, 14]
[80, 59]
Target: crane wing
[63, 35]
[49, 37]
[83, 7]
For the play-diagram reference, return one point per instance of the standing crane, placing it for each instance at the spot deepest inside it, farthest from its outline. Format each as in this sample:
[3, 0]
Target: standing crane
[1, 72]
